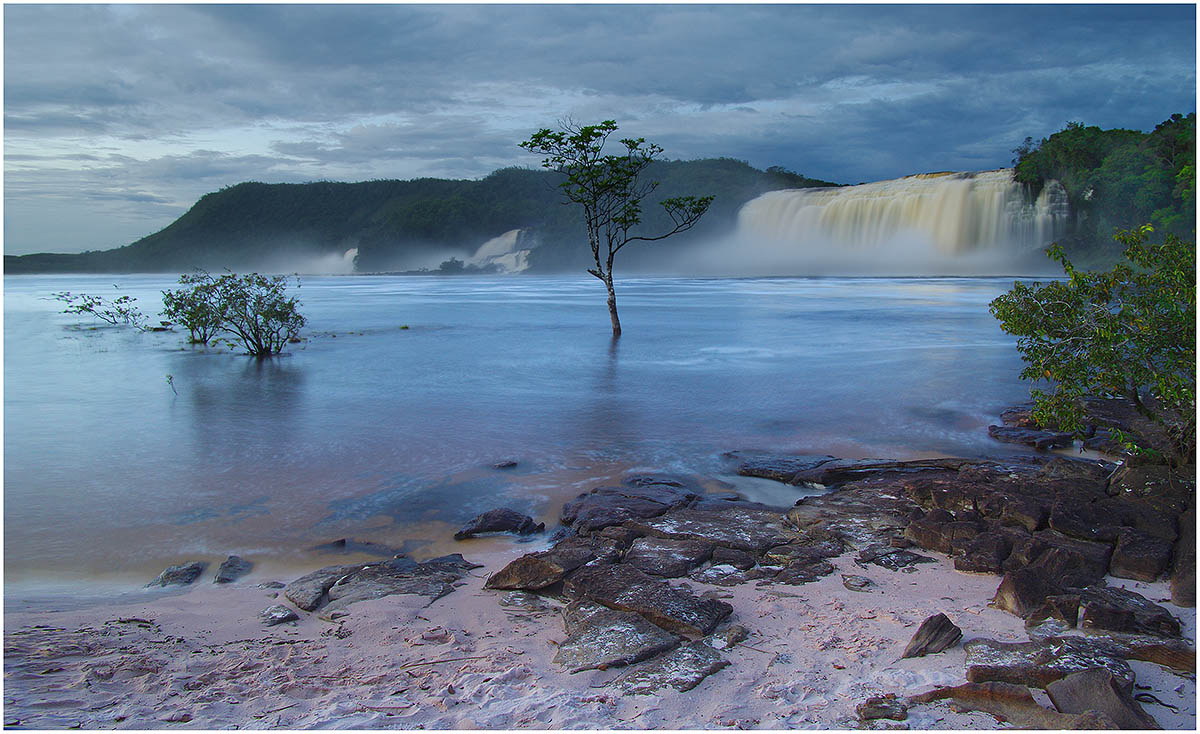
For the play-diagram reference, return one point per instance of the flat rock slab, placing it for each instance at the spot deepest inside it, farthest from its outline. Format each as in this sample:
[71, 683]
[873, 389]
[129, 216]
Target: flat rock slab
[1037, 664]
[667, 557]
[232, 569]
[780, 468]
[893, 559]
[738, 527]
[1041, 440]
[180, 575]
[607, 637]
[604, 506]
[307, 591]
[1096, 690]
[625, 588]
[1121, 610]
[1174, 654]
[500, 520]
[1013, 704]
[937, 633]
[534, 571]
[433, 579]
[682, 669]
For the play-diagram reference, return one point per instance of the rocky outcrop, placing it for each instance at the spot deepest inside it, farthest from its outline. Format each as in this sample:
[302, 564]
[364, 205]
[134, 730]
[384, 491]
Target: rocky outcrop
[639, 497]
[1121, 610]
[500, 520]
[882, 707]
[348, 584]
[740, 528]
[308, 591]
[1183, 569]
[1041, 440]
[180, 575]
[1013, 704]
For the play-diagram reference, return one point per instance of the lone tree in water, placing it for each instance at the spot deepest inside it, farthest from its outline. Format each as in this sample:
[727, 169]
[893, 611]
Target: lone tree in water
[611, 189]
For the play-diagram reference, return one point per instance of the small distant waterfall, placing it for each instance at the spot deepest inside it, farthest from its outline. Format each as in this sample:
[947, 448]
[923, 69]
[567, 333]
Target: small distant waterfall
[946, 214]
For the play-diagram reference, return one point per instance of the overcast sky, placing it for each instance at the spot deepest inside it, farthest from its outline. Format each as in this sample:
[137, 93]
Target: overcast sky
[117, 118]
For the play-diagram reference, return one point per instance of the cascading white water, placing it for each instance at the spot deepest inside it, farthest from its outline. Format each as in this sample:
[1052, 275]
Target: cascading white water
[502, 253]
[953, 213]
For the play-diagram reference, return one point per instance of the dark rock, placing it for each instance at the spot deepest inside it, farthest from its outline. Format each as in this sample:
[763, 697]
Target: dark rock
[1096, 690]
[232, 569]
[350, 545]
[893, 559]
[1139, 556]
[723, 575]
[1041, 440]
[1183, 569]
[605, 506]
[1025, 512]
[803, 572]
[681, 669]
[882, 707]
[667, 557]
[599, 637]
[534, 571]
[932, 533]
[506, 464]
[741, 528]
[1013, 704]
[181, 575]
[937, 633]
[1024, 590]
[1121, 610]
[452, 563]
[307, 591]
[1170, 653]
[1079, 471]
[625, 588]
[1038, 664]
[840, 471]
[433, 579]
[1062, 607]
[1085, 520]
[620, 534]
[857, 583]
[1020, 416]
[802, 553]
[741, 560]
[985, 553]
[277, 614]
[780, 468]
[1090, 560]
[500, 520]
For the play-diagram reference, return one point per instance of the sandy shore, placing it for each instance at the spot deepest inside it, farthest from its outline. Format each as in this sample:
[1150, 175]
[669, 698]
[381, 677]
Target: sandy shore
[200, 658]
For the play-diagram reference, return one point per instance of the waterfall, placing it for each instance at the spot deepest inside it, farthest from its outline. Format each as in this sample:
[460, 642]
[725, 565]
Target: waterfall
[943, 215]
[503, 253]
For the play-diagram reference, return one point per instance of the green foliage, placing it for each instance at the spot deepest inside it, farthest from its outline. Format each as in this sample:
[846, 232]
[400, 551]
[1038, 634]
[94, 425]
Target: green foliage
[195, 306]
[258, 312]
[1118, 179]
[117, 311]
[1129, 332]
[610, 189]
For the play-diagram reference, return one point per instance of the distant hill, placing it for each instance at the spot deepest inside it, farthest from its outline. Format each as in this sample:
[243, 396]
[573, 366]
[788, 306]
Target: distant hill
[404, 225]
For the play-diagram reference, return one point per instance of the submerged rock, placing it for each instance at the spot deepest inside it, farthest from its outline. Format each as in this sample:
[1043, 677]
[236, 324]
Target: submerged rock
[681, 669]
[599, 637]
[500, 520]
[232, 569]
[1041, 440]
[181, 575]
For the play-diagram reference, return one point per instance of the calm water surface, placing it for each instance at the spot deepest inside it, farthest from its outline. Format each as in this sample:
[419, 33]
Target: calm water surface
[381, 433]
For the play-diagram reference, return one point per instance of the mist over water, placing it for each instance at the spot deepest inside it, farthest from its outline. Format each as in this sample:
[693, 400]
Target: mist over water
[375, 432]
[930, 224]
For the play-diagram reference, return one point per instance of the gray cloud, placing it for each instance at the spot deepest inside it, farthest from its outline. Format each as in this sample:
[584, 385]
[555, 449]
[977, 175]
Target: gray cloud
[128, 113]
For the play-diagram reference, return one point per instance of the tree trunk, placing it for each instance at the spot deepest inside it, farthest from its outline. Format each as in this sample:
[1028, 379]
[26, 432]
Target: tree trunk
[612, 307]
